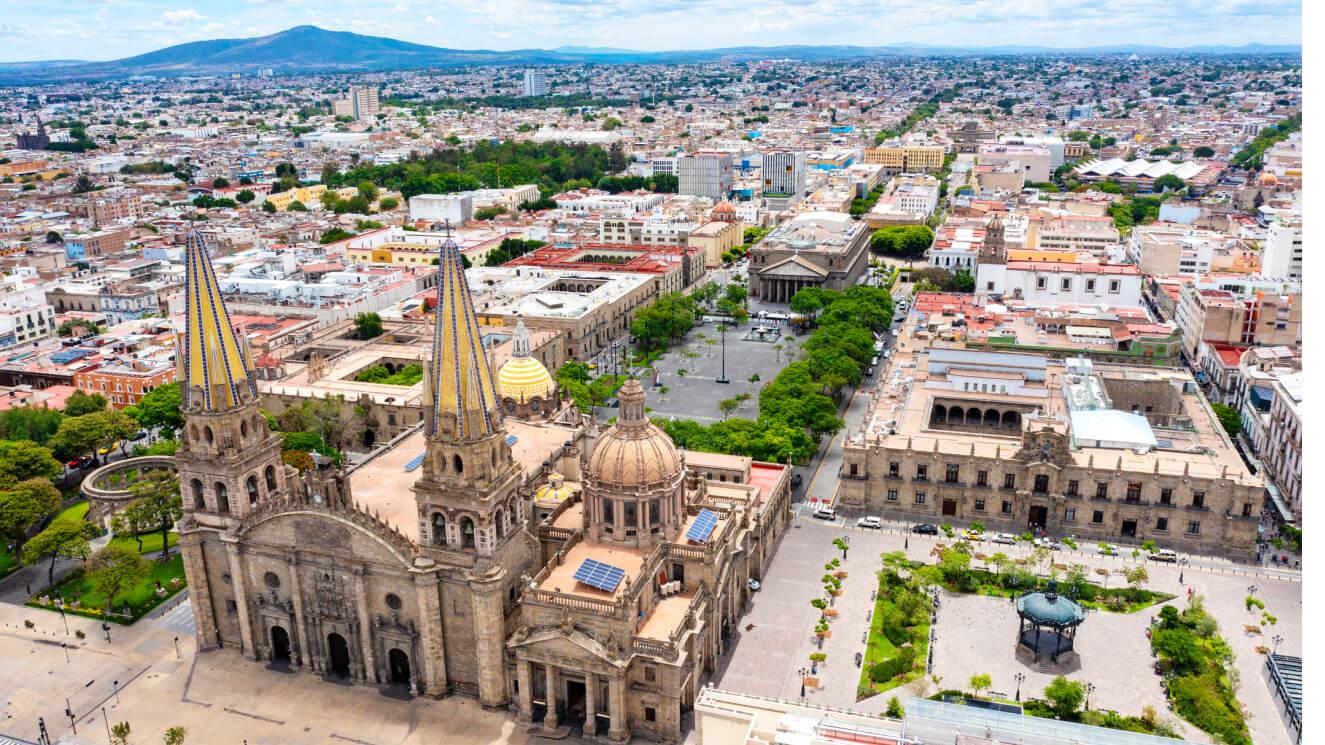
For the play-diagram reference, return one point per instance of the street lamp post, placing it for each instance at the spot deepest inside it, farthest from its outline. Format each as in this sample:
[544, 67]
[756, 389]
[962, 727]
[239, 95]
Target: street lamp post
[116, 686]
[802, 672]
[1090, 688]
[1276, 639]
[177, 655]
[722, 378]
[65, 647]
[106, 719]
[106, 628]
[69, 712]
[1019, 677]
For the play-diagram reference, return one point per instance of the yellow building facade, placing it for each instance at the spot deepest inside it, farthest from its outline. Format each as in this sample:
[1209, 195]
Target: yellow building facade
[906, 159]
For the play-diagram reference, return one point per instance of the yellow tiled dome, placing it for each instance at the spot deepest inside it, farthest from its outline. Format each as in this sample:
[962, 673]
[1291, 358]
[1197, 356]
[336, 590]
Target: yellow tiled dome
[555, 490]
[524, 378]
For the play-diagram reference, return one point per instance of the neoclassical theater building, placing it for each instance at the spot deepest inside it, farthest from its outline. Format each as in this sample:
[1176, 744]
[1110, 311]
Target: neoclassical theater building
[505, 549]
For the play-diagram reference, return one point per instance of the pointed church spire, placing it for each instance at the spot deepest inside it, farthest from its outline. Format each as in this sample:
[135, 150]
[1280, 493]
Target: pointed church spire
[215, 365]
[460, 379]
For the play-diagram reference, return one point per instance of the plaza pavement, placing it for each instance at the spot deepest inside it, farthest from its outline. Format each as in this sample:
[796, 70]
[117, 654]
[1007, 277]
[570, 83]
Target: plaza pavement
[977, 635]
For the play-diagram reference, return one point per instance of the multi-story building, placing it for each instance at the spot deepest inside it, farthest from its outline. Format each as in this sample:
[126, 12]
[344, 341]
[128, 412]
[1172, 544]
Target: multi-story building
[535, 82]
[1090, 233]
[957, 244]
[25, 315]
[673, 267]
[113, 209]
[705, 174]
[457, 209]
[783, 174]
[124, 383]
[1021, 441]
[1034, 160]
[1281, 252]
[78, 246]
[594, 202]
[897, 158]
[908, 200]
[970, 136]
[1179, 249]
[1284, 458]
[813, 249]
[359, 103]
[716, 237]
[1243, 312]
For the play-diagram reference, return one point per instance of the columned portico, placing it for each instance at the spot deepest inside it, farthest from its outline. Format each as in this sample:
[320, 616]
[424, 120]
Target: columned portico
[590, 704]
[525, 678]
[616, 706]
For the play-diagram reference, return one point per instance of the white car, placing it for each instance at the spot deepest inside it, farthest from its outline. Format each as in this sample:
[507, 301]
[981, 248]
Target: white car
[1107, 549]
[873, 523]
[825, 513]
[1004, 538]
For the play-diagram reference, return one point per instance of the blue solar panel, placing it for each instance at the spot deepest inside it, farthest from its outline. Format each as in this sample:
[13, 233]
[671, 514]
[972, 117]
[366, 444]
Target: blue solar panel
[511, 440]
[415, 463]
[703, 526]
[597, 574]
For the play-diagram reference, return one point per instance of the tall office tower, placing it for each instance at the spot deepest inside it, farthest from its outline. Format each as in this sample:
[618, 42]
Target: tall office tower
[535, 83]
[705, 174]
[784, 173]
[365, 102]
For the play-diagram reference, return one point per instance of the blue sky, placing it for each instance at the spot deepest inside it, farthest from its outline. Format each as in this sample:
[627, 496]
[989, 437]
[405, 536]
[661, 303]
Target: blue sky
[108, 29]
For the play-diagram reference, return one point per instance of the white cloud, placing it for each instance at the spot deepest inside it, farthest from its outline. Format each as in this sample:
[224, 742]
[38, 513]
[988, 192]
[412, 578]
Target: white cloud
[177, 17]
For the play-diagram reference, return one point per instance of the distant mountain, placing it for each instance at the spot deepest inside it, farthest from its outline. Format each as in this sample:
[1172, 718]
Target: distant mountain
[313, 49]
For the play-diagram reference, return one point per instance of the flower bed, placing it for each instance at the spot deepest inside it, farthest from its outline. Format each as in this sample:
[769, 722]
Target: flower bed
[82, 599]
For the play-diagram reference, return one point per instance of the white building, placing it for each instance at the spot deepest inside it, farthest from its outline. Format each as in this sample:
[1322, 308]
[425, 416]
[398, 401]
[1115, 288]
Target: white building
[458, 209]
[592, 202]
[535, 83]
[705, 174]
[783, 173]
[1084, 283]
[1034, 160]
[1281, 253]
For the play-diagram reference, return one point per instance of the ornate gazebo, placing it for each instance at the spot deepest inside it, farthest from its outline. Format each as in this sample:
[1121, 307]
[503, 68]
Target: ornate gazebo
[1048, 622]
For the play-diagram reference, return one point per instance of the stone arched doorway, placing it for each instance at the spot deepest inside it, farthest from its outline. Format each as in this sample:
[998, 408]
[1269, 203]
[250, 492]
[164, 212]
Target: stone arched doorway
[398, 662]
[338, 652]
[280, 645]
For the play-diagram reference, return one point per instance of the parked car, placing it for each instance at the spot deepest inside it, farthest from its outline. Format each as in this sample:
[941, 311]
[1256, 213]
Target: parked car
[870, 522]
[140, 434]
[1164, 554]
[1108, 549]
[926, 529]
[972, 536]
[82, 462]
[1048, 543]
[824, 513]
[1004, 538]
[109, 448]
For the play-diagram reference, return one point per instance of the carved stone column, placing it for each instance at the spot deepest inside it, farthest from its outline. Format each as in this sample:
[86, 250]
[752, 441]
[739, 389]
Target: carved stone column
[304, 656]
[365, 627]
[241, 600]
[617, 731]
[431, 642]
[550, 720]
[590, 704]
[524, 674]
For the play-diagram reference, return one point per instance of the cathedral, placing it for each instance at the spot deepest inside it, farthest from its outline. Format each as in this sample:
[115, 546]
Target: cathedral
[504, 549]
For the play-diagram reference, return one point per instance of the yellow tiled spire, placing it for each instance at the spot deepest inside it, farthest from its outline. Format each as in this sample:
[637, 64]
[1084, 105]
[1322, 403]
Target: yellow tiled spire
[215, 364]
[460, 380]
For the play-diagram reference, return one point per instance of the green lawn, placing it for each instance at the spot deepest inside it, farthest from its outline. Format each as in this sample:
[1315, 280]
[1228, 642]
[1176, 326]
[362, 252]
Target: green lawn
[151, 542]
[878, 648]
[141, 599]
[76, 511]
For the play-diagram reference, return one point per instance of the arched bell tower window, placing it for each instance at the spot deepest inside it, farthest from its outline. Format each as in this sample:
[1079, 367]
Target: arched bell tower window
[195, 490]
[270, 475]
[438, 529]
[466, 533]
[457, 464]
[222, 498]
[251, 486]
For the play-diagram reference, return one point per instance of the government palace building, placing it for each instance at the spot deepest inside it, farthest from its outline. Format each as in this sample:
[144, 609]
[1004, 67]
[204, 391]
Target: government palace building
[503, 548]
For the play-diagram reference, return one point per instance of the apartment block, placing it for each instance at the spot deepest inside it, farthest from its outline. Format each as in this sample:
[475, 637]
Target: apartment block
[705, 174]
[897, 159]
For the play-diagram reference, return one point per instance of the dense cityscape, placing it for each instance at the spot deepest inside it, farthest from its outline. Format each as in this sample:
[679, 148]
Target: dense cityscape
[799, 396]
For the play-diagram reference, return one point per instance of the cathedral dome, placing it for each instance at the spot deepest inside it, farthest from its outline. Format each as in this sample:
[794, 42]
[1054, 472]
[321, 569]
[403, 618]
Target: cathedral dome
[1269, 179]
[634, 453]
[555, 490]
[523, 378]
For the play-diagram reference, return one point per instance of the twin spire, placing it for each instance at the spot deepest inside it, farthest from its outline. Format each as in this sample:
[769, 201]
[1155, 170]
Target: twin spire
[215, 365]
[459, 377]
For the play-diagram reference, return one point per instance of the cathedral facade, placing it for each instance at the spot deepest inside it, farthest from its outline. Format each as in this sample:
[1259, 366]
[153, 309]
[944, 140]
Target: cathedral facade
[426, 570]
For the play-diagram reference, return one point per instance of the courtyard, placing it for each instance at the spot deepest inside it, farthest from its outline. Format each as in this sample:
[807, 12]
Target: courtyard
[976, 634]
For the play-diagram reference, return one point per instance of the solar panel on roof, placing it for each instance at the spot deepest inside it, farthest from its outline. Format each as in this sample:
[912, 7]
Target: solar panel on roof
[599, 575]
[415, 462]
[703, 526]
[511, 440]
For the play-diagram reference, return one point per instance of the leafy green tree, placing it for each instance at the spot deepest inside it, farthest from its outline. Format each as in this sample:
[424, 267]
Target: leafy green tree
[159, 408]
[1203, 152]
[980, 682]
[22, 507]
[728, 406]
[132, 520]
[368, 325]
[1136, 577]
[386, 204]
[119, 734]
[21, 460]
[174, 736]
[1169, 182]
[82, 435]
[245, 196]
[1229, 418]
[62, 539]
[335, 234]
[34, 423]
[268, 207]
[895, 710]
[296, 206]
[80, 403]
[1065, 696]
[115, 569]
[156, 497]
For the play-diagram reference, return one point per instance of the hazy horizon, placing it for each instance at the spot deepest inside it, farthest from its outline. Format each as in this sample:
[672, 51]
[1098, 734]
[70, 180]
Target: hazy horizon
[123, 28]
